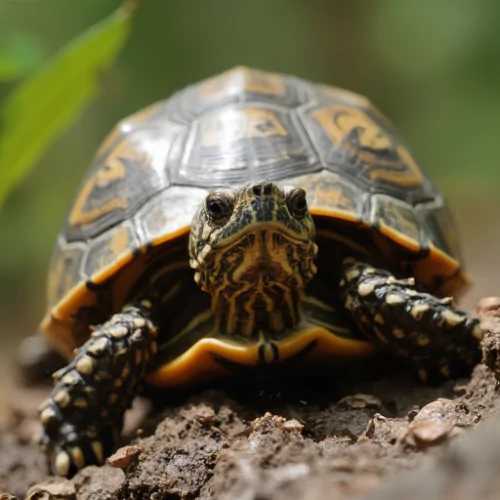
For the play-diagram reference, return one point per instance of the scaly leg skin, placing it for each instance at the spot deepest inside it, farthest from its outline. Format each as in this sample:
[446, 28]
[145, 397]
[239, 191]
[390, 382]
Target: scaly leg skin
[440, 340]
[83, 417]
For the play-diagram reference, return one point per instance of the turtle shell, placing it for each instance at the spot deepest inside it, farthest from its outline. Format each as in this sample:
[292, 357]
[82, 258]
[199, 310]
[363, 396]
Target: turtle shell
[153, 170]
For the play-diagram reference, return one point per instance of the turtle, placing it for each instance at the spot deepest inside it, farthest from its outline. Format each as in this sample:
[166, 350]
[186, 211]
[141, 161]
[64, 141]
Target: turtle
[250, 219]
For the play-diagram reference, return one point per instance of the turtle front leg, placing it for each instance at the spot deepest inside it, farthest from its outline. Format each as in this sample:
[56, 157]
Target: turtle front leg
[83, 417]
[440, 340]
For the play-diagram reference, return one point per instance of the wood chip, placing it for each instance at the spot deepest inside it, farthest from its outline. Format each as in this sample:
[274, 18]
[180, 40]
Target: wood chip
[124, 457]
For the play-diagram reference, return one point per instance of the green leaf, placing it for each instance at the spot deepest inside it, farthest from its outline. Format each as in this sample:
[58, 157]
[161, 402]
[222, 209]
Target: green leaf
[45, 104]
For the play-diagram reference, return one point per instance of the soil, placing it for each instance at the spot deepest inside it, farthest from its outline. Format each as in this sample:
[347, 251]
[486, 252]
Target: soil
[371, 432]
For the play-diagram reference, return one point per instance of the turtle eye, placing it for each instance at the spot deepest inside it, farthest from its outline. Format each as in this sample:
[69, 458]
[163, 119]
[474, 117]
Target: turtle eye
[297, 203]
[219, 206]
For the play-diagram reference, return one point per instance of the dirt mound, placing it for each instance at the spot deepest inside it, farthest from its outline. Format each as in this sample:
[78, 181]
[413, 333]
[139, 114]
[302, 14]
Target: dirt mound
[385, 436]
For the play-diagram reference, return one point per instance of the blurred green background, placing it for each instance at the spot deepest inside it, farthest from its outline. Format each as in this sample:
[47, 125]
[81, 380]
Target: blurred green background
[432, 66]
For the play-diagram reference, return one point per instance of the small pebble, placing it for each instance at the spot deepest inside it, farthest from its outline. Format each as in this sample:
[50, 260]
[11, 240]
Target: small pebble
[205, 415]
[431, 433]
[293, 425]
[360, 401]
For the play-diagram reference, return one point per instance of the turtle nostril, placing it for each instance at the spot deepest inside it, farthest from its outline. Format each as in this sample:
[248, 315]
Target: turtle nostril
[264, 189]
[256, 190]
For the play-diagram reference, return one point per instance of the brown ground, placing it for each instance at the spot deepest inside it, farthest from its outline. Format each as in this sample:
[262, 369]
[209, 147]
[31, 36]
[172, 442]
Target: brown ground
[364, 435]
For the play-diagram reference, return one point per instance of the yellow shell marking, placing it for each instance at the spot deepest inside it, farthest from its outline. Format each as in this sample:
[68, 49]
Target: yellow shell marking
[340, 122]
[108, 141]
[112, 170]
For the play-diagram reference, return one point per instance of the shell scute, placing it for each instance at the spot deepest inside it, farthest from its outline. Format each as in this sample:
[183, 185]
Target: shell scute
[236, 144]
[351, 141]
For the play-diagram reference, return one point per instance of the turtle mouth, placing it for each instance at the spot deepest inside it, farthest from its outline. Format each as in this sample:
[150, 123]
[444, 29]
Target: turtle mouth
[245, 237]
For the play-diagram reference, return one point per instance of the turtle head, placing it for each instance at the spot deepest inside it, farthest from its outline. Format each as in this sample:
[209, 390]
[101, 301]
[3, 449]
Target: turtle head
[252, 248]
